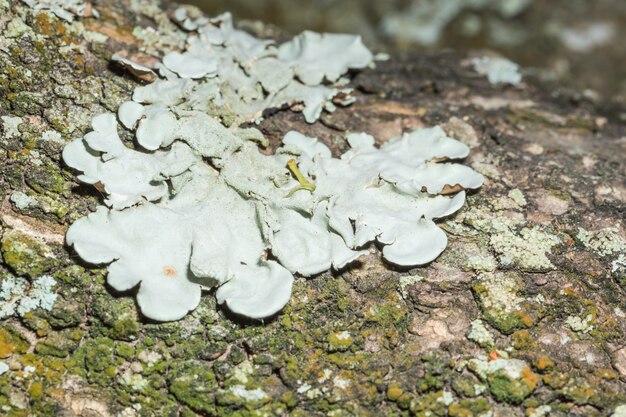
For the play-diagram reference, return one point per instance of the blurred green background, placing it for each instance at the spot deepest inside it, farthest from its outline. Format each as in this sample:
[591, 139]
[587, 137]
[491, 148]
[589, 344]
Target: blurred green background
[581, 43]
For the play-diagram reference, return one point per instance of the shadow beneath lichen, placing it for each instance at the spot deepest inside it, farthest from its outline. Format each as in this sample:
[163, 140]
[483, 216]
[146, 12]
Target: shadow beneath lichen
[244, 321]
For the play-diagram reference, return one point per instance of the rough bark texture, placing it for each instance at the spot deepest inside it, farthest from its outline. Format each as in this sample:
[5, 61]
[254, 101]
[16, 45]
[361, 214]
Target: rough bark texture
[576, 42]
[523, 314]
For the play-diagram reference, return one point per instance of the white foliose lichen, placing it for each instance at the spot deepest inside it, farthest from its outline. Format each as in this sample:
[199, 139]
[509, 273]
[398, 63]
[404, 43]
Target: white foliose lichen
[3, 367]
[64, 9]
[620, 411]
[498, 70]
[197, 205]
[18, 296]
[424, 21]
[230, 73]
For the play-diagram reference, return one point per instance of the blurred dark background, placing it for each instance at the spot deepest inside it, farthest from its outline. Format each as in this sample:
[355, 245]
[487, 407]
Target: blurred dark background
[581, 43]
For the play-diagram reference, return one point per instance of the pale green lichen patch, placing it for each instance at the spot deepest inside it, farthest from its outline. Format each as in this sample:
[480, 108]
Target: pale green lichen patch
[16, 28]
[619, 264]
[580, 325]
[481, 334]
[475, 256]
[11, 126]
[93, 348]
[23, 201]
[514, 200]
[604, 242]
[484, 262]
[407, 281]
[18, 296]
[64, 9]
[517, 196]
[135, 382]
[527, 248]
[517, 243]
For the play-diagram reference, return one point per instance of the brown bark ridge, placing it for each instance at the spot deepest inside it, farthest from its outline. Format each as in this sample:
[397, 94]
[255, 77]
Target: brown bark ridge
[522, 315]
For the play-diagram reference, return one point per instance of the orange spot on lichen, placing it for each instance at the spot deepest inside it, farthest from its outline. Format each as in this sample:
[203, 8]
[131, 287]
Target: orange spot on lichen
[530, 378]
[169, 271]
[544, 363]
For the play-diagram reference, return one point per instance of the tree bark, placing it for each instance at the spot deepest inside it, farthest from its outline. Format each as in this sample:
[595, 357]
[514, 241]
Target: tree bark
[523, 314]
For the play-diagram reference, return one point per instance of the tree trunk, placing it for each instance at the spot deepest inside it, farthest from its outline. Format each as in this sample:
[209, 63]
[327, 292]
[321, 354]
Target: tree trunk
[523, 313]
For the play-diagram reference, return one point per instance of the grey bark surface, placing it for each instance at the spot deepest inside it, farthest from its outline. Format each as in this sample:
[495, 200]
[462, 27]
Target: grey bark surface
[522, 315]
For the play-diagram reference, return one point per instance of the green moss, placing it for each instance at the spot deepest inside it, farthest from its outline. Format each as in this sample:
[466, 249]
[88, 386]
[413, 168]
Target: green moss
[36, 390]
[58, 344]
[339, 341]
[404, 401]
[25, 103]
[125, 350]
[97, 360]
[48, 179]
[79, 277]
[469, 408]
[300, 413]
[467, 385]
[428, 405]
[229, 399]
[124, 328]
[512, 391]
[391, 312]
[193, 384]
[118, 315]
[36, 321]
[26, 255]
[555, 379]
[437, 369]
[290, 399]
[197, 346]
[69, 312]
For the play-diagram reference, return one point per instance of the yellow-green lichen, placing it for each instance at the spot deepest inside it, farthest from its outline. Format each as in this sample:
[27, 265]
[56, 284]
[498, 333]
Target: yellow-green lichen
[470, 408]
[502, 306]
[25, 254]
[339, 341]
[510, 380]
